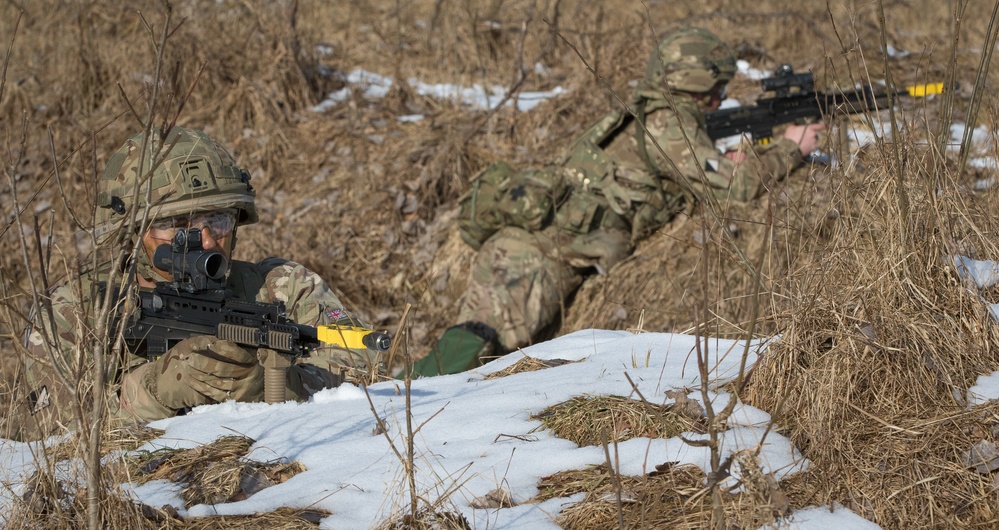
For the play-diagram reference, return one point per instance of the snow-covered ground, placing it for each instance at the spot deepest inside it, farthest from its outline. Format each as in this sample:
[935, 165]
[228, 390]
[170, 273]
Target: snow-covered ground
[478, 435]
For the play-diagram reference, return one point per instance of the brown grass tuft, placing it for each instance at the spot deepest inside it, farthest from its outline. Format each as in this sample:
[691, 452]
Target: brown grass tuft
[527, 364]
[215, 473]
[583, 419]
[280, 519]
[428, 520]
[54, 504]
[674, 496]
[882, 340]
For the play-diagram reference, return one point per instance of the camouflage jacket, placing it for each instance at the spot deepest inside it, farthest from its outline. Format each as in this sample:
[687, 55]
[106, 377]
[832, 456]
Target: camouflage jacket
[308, 300]
[623, 188]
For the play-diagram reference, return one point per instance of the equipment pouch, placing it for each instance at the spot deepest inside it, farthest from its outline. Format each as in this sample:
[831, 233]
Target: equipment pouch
[580, 214]
[588, 166]
[503, 196]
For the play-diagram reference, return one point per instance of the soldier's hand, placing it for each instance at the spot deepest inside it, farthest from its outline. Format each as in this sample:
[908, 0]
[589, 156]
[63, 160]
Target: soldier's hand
[736, 156]
[201, 370]
[806, 136]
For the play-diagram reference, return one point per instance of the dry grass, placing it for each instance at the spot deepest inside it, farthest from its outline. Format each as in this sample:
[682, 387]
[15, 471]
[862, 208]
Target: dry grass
[674, 496]
[214, 473]
[53, 505]
[50, 504]
[118, 436]
[582, 420]
[852, 260]
[280, 519]
[428, 520]
[527, 364]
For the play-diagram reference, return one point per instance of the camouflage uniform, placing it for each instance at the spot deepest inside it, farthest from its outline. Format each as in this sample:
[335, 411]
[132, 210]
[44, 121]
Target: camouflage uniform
[149, 393]
[198, 370]
[622, 190]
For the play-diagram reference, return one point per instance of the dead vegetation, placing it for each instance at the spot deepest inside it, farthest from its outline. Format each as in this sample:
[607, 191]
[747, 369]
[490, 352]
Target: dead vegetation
[880, 339]
[527, 364]
[673, 496]
[214, 473]
[585, 420]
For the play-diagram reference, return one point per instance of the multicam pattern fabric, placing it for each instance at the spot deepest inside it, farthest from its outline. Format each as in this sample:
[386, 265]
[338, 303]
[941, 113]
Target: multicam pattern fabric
[186, 172]
[691, 60]
[502, 196]
[196, 371]
[521, 279]
[517, 287]
[700, 163]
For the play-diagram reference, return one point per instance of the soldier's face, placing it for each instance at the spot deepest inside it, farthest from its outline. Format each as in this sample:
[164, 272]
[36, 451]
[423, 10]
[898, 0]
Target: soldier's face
[716, 95]
[217, 233]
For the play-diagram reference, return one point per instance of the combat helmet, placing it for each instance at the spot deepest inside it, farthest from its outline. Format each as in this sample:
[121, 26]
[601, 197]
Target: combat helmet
[691, 60]
[191, 172]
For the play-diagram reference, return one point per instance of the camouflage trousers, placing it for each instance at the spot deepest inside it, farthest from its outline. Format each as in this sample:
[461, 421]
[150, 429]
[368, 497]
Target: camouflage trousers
[519, 285]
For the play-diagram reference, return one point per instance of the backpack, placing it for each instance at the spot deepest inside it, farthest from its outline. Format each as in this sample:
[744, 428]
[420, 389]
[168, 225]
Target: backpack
[504, 196]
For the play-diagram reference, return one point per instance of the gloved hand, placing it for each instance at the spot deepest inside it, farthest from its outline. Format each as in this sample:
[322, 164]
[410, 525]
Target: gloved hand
[197, 371]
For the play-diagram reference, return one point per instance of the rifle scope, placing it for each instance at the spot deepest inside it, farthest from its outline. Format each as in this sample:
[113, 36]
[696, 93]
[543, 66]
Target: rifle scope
[189, 263]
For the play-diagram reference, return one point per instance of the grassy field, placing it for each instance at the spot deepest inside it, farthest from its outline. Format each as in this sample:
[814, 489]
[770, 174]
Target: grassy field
[849, 263]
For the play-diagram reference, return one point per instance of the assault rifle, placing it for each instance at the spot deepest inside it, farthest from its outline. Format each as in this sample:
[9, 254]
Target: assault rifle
[197, 303]
[793, 98]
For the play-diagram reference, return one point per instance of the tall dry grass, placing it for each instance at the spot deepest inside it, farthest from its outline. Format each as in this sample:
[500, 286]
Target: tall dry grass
[879, 337]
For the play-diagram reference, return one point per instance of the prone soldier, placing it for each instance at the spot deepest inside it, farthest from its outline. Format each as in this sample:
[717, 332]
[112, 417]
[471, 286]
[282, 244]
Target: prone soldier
[187, 181]
[540, 233]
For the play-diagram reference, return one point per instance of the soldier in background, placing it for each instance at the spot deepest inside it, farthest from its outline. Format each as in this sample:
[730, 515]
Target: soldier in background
[613, 189]
[195, 183]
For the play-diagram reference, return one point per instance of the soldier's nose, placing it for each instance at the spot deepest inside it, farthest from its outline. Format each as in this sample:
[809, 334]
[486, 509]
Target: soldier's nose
[208, 241]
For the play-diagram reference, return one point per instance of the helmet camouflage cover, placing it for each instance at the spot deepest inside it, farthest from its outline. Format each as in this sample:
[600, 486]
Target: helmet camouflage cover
[691, 60]
[191, 172]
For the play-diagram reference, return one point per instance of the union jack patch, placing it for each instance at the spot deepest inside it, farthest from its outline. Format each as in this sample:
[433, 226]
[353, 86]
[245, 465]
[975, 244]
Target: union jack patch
[335, 314]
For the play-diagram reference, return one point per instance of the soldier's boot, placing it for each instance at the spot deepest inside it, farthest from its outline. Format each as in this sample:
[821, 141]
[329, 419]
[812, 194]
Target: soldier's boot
[460, 348]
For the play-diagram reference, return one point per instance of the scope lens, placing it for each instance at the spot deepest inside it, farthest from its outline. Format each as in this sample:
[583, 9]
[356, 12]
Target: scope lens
[214, 265]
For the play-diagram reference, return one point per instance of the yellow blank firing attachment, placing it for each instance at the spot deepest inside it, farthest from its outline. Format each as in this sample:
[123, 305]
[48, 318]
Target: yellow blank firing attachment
[918, 91]
[354, 337]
